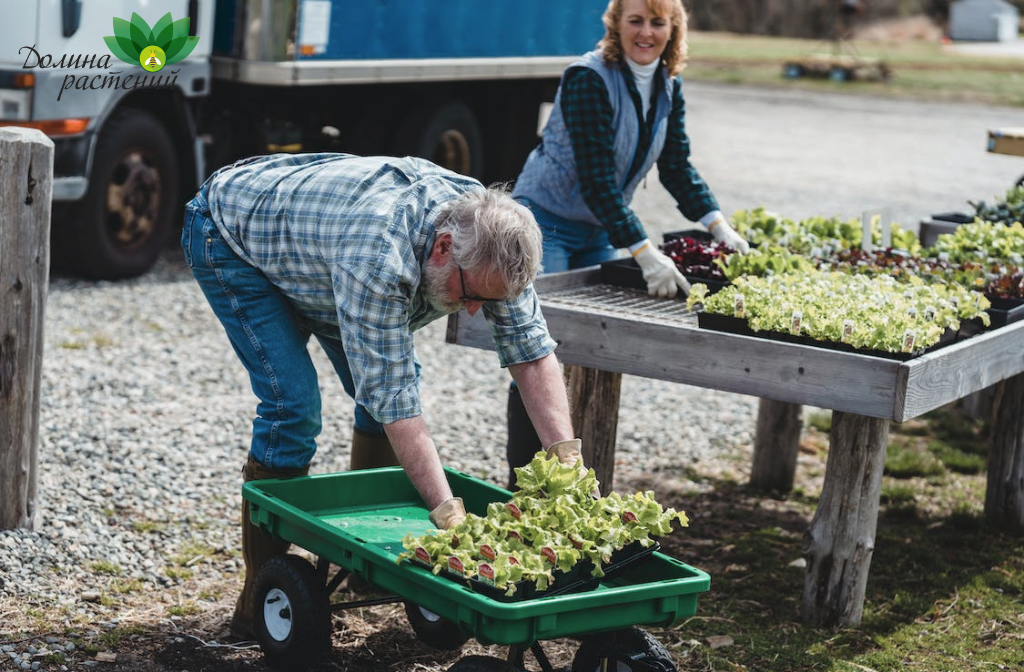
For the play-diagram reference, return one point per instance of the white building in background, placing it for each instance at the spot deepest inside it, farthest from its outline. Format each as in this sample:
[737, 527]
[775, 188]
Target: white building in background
[983, 21]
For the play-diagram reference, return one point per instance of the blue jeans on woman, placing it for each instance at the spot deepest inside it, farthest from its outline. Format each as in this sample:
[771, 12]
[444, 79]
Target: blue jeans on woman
[270, 338]
[570, 244]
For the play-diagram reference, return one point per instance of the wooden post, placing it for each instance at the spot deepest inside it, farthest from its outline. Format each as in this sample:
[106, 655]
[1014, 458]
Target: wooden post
[1004, 491]
[26, 183]
[776, 444]
[594, 403]
[841, 539]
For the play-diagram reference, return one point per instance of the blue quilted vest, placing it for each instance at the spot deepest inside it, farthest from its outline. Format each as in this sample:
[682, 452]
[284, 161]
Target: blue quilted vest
[549, 177]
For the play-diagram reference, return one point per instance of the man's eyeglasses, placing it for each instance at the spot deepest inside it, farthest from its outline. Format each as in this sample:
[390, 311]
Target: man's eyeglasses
[466, 297]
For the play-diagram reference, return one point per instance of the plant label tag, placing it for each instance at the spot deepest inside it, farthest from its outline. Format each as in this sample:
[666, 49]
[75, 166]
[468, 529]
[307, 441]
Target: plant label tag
[912, 312]
[908, 341]
[486, 573]
[455, 541]
[422, 555]
[455, 566]
[929, 313]
[514, 510]
[628, 517]
[794, 326]
[512, 534]
[847, 331]
[738, 309]
[866, 242]
[575, 542]
[488, 552]
[549, 555]
[513, 560]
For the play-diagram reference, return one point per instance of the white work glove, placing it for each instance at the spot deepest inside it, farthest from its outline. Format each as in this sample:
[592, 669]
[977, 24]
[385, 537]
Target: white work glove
[724, 233]
[661, 274]
[448, 514]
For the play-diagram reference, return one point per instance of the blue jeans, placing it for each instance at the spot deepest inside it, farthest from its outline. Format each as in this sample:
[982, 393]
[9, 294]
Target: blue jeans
[570, 244]
[270, 337]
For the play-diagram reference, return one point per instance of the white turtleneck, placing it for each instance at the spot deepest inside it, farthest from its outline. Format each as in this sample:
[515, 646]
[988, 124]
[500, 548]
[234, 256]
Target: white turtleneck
[643, 75]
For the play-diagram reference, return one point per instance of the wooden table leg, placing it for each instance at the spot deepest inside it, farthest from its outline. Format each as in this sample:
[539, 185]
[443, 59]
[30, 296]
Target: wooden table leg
[594, 403]
[841, 538]
[1004, 491]
[776, 443]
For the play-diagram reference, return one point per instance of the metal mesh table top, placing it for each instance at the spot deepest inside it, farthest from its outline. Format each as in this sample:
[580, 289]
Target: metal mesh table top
[621, 302]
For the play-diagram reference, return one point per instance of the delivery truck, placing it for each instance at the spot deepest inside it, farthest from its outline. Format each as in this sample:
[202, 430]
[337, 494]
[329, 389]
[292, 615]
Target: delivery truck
[461, 82]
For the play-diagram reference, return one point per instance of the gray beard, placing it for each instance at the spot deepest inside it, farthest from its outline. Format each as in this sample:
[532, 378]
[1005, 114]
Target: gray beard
[434, 280]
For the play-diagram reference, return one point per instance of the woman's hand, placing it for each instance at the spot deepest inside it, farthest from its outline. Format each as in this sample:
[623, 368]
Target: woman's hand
[724, 233]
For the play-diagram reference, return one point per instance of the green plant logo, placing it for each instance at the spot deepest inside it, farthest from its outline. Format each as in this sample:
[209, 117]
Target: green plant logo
[165, 43]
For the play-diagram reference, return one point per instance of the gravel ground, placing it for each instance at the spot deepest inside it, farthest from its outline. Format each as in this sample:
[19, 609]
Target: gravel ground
[145, 411]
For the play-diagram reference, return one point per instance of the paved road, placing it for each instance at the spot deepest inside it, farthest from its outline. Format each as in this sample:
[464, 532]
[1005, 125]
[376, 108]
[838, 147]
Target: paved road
[803, 154]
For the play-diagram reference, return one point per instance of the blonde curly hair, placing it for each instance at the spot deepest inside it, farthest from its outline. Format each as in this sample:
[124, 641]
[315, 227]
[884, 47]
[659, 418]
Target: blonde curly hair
[674, 56]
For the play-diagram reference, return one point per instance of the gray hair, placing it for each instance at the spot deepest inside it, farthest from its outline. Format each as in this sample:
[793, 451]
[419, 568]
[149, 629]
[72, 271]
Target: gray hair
[492, 233]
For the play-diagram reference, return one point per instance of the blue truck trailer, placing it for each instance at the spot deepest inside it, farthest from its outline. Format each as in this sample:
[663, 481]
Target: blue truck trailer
[460, 82]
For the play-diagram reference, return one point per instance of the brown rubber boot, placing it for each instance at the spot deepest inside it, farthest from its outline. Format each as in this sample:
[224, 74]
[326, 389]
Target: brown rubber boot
[257, 548]
[370, 451]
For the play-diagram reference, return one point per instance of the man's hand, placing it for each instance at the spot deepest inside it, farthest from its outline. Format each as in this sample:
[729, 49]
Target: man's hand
[724, 233]
[448, 514]
[662, 276]
[571, 452]
[567, 452]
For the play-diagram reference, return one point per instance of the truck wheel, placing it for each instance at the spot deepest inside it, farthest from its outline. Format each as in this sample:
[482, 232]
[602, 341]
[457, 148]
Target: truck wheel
[291, 614]
[433, 630]
[481, 664]
[622, 651]
[447, 134]
[124, 221]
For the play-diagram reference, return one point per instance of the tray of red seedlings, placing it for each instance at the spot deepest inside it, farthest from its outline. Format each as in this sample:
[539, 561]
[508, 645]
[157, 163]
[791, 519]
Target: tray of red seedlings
[694, 253]
[1006, 294]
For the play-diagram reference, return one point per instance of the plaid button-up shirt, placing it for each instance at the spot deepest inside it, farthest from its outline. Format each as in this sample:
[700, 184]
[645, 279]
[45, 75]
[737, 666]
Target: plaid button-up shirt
[346, 239]
[589, 120]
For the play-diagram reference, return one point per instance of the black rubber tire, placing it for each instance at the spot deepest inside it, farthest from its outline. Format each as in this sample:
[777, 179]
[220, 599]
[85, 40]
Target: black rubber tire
[291, 614]
[445, 133]
[482, 664]
[125, 220]
[840, 74]
[433, 630]
[624, 651]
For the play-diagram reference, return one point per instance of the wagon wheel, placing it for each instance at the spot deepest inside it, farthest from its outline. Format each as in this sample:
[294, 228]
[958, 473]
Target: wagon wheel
[629, 650]
[433, 630]
[292, 614]
[482, 664]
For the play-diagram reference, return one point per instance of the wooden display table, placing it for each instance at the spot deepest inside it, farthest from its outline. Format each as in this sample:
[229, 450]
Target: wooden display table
[610, 331]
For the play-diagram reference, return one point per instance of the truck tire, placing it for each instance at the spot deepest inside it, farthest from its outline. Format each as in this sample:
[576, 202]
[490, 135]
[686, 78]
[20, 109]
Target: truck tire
[125, 219]
[445, 133]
